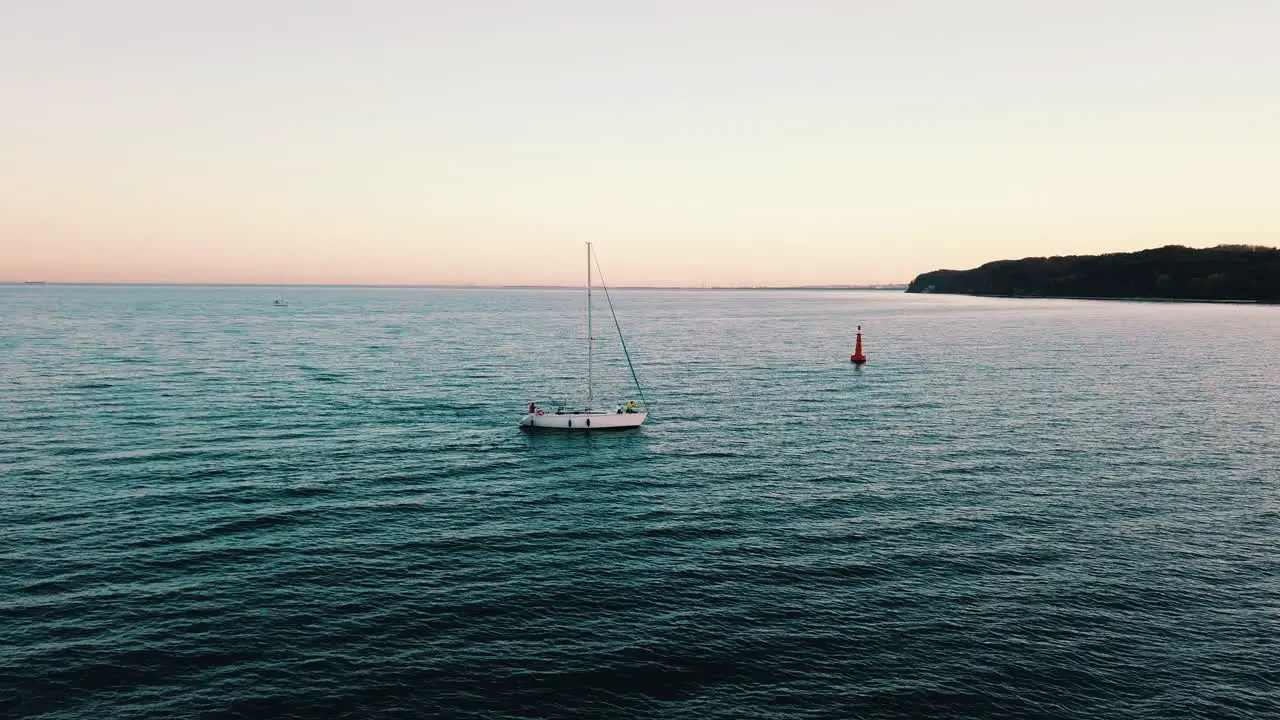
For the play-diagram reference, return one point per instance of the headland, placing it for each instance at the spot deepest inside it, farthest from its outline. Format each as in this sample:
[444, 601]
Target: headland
[1226, 273]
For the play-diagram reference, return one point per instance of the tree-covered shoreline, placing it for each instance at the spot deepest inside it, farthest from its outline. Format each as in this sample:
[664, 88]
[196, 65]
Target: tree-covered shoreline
[1245, 273]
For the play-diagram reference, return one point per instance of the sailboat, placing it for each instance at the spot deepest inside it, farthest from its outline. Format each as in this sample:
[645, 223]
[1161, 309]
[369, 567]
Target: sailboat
[624, 416]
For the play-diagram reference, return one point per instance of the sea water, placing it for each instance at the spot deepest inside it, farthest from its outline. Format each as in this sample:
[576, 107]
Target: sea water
[213, 506]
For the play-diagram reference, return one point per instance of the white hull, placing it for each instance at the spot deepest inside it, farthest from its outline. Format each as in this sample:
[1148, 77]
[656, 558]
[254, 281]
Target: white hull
[584, 421]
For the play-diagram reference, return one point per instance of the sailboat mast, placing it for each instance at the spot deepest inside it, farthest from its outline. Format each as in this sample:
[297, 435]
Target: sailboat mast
[590, 338]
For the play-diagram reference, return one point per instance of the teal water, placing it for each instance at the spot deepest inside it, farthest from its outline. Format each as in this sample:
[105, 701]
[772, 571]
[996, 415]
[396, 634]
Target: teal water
[210, 506]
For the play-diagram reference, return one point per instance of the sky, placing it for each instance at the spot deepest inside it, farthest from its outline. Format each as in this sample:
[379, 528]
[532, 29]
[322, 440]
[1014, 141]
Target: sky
[745, 142]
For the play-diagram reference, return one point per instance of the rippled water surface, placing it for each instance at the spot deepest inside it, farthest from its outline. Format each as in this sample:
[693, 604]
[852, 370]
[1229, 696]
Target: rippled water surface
[210, 506]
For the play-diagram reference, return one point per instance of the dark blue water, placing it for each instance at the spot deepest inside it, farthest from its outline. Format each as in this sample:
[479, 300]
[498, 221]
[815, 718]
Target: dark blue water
[210, 506]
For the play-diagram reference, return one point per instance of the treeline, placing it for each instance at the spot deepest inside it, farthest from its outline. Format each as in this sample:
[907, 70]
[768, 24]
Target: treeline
[1226, 272]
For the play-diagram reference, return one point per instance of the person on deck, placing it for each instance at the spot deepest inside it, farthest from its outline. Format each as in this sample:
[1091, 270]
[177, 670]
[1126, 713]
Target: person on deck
[631, 406]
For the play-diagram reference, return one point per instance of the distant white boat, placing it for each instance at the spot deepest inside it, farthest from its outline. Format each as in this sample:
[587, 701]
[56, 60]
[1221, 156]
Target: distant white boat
[624, 416]
[280, 302]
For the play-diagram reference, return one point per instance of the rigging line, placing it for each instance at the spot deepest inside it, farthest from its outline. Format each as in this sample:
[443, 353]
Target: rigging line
[600, 274]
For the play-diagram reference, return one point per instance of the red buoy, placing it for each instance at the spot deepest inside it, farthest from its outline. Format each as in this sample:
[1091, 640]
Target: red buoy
[857, 358]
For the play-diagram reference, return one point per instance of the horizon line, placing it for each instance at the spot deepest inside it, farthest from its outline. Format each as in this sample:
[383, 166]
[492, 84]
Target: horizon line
[871, 286]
